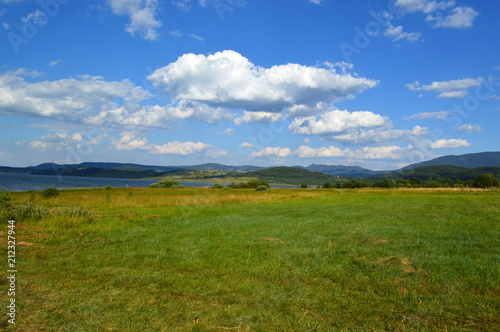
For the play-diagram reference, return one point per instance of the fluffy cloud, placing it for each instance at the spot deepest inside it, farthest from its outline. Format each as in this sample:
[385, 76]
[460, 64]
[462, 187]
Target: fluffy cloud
[424, 6]
[460, 17]
[247, 145]
[179, 148]
[157, 116]
[64, 141]
[442, 14]
[67, 98]
[449, 144]
[468, 128]
[257, 117]
[142, 16]
[131, 141]
[429, 115]
[305, 151]
[227, 79]
[277, 152]
[335, 121]
[378, 135]
[372, 153]
[447, 89]
[397, 33]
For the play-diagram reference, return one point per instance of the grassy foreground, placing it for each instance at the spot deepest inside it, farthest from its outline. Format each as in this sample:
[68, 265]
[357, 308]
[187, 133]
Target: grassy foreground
[282, 260]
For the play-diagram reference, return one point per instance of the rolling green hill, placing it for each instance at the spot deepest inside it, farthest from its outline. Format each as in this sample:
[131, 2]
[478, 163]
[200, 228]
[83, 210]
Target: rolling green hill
[291, 175]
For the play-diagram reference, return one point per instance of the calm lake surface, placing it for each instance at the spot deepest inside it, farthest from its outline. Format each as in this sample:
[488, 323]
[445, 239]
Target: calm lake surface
[25, 182]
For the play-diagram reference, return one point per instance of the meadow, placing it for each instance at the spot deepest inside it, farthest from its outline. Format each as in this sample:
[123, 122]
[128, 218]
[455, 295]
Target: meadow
[238, 260]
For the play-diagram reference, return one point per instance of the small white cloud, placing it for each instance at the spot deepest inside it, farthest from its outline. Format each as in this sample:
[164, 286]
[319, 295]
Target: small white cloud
[257, 117]
[316, 2]
[178, 148]
[461, 18]
[335, 121]
[212, 153]
[63, 141]
[429, 115]
[324, 152]
[247, 145]
[468, 128]
[184, 5]
[277, 152]
[497, 68]
[449, 144]
[5, 26]
[176, 33]
[397, 33]
[447, 89]
[142, 16]
[198, 38]
[55, 62]
[306, 140]
[228, 131]
[130, 141]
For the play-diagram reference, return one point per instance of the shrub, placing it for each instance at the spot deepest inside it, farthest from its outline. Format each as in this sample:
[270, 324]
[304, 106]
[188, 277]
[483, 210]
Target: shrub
[327, 185]
[261, 188]
[219, 186]
[249, 185]
[176, 186]
[166, 184]
[303, 185]
[50, 192]
[108, 187]
[486, 181]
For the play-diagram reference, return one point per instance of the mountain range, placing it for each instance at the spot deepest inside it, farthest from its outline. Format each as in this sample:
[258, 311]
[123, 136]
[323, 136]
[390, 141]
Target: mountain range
[462, 166]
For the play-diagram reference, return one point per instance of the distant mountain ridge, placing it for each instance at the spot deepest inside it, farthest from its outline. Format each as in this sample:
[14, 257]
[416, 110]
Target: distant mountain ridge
[471, 160]
[462, 166]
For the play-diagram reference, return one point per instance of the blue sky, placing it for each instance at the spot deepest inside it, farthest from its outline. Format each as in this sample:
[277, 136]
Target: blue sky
[379, 84]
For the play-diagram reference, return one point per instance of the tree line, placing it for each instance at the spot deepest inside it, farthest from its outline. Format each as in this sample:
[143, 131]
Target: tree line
[482, 181]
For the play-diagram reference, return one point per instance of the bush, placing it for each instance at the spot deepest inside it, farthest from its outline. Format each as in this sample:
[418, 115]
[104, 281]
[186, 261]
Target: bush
[486, 181]
[219, 186]
[327, 185]
[249, 185]
[303, 185]
[108, 187]
[261, 188]
[166, 184]
[50, 192]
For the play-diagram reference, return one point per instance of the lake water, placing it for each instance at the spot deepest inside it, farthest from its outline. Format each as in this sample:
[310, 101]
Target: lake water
[24, 182]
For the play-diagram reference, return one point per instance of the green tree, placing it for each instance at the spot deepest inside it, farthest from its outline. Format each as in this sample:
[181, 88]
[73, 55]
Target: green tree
[486, 181]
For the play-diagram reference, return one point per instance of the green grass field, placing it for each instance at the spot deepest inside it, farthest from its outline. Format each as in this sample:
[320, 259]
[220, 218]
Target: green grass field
[239, 260]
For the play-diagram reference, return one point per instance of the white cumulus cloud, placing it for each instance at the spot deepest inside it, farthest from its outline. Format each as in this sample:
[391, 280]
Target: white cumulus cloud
[335, 121]
[277, 152]
[142, 16]
[447, 89]
[450, 144]
[180, 148]
[66, 98]
[468, 128]
[257, 117]
[227, 79]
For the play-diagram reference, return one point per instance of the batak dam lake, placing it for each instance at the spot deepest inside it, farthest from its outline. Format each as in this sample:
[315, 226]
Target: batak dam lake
[24, 182]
